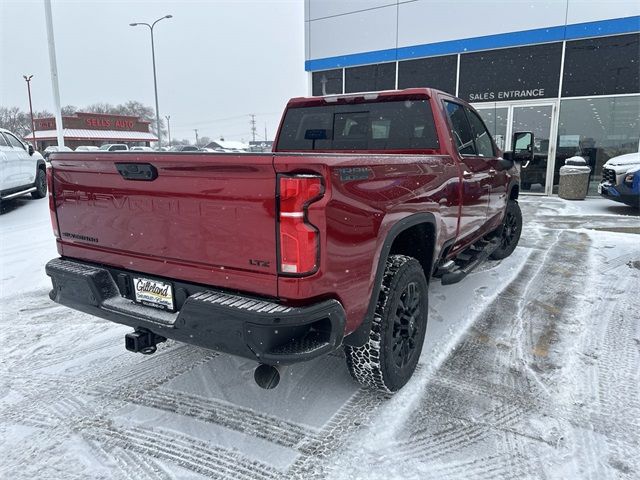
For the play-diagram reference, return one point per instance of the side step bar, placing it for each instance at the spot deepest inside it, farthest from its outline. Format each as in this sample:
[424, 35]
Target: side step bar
[18, 194]
[474, 256]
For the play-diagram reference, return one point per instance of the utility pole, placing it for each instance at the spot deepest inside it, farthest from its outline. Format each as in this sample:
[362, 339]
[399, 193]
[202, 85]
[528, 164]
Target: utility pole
[168, 117]
[54, 73]
[197, 141]
[33, 125]
[252, 122]
[265, 131]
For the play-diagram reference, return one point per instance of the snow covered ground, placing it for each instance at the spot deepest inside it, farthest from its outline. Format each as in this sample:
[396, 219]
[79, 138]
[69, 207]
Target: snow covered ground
[531, 369]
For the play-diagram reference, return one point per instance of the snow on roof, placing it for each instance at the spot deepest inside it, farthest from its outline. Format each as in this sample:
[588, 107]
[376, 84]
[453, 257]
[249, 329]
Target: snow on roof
[82, 134]
[228, 144]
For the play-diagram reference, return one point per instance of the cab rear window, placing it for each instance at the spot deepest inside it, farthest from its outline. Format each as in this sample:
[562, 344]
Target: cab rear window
[397, 125]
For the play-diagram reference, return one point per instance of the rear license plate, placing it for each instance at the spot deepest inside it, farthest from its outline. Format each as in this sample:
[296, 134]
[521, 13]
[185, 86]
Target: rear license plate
[153, 293]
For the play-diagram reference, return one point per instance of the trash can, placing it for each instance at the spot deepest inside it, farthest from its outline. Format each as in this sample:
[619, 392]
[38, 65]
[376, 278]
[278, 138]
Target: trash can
[574, 179]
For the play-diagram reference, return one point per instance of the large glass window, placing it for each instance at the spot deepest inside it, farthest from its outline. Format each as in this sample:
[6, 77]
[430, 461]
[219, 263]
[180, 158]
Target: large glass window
[434, 72]
[370, 78]
[597, 129]
[496, 121]
[397, 125]
[328, 82]
[511, 73]
[602, 66]
[536, 119]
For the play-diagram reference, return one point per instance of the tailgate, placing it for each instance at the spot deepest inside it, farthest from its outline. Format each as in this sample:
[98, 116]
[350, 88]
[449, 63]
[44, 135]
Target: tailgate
[205, 218]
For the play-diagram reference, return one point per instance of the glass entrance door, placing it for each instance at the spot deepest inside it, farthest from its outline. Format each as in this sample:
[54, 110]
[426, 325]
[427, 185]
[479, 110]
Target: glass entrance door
[503, 120]
[536, 119]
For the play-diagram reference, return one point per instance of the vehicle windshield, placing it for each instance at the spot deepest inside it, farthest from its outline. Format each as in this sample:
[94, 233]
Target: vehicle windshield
[104, 147]
[396, 125]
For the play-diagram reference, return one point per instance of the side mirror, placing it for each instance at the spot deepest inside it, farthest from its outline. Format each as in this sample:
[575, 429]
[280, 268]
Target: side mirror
[30, 149]
[522, 146]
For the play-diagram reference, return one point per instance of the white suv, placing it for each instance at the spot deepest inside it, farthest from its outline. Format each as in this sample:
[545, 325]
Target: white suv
[22, 171]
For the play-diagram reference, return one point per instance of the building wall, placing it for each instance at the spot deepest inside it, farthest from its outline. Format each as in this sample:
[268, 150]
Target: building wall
[567, 69]
[374, 31]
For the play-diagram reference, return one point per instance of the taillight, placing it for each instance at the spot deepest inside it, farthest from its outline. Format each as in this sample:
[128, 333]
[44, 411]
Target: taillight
[52, 203]
[299, 239]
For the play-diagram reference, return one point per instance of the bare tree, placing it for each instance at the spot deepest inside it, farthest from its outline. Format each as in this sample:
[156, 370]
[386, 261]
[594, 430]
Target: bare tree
[14, 119]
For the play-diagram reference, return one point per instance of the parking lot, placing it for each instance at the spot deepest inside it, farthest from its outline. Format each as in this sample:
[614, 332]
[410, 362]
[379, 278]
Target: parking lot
[531, 369]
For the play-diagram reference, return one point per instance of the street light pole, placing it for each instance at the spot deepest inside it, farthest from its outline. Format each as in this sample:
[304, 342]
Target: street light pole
[33, 125]
[168, 117]
[155, 81]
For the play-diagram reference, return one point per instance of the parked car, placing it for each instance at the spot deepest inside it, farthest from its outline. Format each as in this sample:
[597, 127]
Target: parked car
[22, 170]
[86, 148]
[114, 147]
[620, 179]
[54, 149]
[141, 149]
[184, 148]
[328, 242]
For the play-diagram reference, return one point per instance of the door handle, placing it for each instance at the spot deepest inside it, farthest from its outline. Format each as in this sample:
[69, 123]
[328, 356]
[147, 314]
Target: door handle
[492, 171]
[467, 175]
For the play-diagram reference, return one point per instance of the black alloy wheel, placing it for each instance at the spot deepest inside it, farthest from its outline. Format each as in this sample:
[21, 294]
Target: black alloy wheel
[406, 325]
[511, 231]
[388, 359]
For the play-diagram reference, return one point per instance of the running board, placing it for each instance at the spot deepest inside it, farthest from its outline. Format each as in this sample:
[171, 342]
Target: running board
[456, 273]
[19, 194]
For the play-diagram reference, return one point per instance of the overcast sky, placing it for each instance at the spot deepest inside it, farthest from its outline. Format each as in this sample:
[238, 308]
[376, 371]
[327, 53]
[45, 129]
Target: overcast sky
[215, 59]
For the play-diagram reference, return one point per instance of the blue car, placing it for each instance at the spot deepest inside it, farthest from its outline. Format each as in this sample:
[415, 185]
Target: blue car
[621, 179]
[627, 191]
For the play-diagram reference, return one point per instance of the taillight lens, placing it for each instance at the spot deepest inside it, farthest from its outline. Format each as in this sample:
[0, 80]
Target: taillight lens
[299, 239]
[52, 203]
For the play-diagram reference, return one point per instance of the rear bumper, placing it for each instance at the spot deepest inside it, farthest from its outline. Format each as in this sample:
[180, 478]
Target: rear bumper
[250, 327]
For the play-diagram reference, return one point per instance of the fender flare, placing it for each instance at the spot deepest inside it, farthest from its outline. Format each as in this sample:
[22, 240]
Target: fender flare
[361, 334]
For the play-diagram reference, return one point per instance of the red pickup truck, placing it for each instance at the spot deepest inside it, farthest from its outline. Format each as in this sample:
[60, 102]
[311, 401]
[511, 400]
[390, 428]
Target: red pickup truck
[328, 241]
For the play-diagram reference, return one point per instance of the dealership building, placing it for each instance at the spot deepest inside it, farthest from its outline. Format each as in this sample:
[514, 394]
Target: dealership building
[93, 129]
[568, 70]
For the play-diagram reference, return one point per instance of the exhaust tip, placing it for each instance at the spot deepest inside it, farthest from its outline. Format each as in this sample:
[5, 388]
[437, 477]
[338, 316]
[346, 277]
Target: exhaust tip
[266, 376]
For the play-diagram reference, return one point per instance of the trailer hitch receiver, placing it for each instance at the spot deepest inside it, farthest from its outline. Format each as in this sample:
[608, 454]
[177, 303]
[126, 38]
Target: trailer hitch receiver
[143, 341]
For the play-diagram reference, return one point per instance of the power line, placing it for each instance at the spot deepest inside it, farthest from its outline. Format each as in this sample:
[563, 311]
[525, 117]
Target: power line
[225, 119]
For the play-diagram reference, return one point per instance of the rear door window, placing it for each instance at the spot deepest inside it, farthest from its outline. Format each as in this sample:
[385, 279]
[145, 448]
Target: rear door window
[396, 125]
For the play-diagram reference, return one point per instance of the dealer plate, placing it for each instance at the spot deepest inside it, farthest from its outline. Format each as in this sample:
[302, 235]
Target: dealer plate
[153, 293]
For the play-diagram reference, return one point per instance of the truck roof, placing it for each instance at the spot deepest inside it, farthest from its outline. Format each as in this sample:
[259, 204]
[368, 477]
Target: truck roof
[381, 96]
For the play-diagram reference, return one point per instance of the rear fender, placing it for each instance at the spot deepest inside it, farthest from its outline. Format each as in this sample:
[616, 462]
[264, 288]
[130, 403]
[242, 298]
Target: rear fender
[361, 335]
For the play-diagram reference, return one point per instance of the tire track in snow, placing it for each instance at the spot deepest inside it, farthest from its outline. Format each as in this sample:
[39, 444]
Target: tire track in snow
[235, 417]
[189, 453]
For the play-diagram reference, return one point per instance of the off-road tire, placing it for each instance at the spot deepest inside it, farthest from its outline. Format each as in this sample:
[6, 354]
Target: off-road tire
[511, 231]
[40, 184]
[389, 358]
